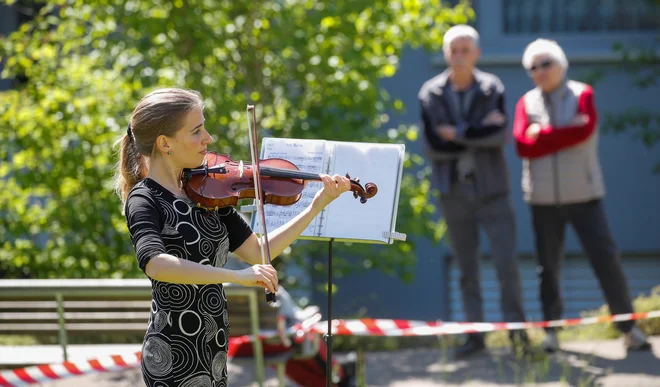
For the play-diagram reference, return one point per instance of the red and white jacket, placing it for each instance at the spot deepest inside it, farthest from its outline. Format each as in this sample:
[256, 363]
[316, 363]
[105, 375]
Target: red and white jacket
[561, 165]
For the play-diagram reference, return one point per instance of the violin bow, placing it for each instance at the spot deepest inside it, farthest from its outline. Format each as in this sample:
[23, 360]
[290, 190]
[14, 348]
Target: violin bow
[254, 151]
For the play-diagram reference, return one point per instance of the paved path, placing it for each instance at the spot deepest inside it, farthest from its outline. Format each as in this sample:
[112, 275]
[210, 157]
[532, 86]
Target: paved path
[601, 363]
[598, 363]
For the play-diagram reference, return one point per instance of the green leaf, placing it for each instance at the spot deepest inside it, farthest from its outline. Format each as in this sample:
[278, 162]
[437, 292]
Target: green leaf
[388, 70]
[312, 69]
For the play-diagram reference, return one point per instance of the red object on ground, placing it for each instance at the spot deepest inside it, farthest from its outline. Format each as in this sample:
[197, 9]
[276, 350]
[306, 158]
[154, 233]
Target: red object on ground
[307, 372]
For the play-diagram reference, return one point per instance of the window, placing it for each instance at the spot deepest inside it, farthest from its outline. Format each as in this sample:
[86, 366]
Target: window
[586, 29]
[579, 16]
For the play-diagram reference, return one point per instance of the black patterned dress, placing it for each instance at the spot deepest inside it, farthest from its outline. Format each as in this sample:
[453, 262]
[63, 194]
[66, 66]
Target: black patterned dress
[186, 338]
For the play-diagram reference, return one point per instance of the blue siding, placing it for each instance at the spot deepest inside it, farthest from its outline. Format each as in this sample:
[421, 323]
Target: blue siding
[374, 294]
[580, 288]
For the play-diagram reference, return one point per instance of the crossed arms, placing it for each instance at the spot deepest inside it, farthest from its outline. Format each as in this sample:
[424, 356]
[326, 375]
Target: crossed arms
[534, 140]
[447, 140]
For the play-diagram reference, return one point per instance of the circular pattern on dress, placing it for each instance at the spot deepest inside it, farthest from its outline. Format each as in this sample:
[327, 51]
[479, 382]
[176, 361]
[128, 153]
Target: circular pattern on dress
[160, 320]
[221, 338]
[186, 228]
[184, 355]
[209, 225]
[208, 355]
[157, 357]
[211, 301]
[181, 207]
[206, 247]
[197, 381]
[210, 327]
[178, 297]
[218, 365]
[192, 319]
[177, 251]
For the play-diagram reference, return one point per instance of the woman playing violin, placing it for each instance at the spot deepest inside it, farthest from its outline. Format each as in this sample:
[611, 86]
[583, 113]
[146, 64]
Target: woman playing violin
[182, 248]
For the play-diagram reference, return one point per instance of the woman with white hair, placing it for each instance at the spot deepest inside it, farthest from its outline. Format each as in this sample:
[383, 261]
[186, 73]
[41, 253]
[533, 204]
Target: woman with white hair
[555, 130]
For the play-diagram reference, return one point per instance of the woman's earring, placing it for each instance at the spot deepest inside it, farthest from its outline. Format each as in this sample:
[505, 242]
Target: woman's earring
[169, 151]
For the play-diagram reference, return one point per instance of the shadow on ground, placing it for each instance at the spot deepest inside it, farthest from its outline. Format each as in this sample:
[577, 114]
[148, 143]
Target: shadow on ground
[601, 364]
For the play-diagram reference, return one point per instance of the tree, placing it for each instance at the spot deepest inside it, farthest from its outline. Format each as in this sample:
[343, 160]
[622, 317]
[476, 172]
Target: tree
[311, 68]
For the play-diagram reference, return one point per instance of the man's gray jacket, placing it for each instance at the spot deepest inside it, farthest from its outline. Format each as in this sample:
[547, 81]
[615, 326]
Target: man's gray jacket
[482, 144]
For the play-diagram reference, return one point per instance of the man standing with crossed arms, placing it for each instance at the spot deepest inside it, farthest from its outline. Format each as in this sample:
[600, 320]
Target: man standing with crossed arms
[464, 124]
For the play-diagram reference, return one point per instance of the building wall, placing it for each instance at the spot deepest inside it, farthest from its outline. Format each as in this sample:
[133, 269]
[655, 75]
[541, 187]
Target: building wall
[580, 288]
[632, 190]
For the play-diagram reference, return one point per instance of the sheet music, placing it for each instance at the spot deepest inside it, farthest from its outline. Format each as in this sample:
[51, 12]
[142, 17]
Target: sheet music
[309, 156]
[375, 163]
[346, 218]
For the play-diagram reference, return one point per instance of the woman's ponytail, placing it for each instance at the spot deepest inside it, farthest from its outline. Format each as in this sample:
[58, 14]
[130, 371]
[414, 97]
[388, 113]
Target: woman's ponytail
[131, 167]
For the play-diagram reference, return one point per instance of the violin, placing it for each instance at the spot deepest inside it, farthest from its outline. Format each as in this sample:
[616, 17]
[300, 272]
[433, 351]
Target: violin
[222, 182]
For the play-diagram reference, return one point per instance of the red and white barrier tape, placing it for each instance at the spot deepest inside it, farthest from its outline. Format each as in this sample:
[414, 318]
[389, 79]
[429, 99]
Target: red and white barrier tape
[46, 373]
[383, 327]
[360, 327]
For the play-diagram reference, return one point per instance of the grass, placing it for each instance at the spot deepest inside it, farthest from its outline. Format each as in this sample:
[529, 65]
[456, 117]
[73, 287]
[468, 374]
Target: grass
[600, 331]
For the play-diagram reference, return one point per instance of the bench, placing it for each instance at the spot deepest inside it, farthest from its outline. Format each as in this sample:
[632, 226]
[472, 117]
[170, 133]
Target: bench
[74, 307]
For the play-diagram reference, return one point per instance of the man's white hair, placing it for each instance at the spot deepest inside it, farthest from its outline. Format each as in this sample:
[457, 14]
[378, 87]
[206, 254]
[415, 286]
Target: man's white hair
[459, 31]
[544, 47]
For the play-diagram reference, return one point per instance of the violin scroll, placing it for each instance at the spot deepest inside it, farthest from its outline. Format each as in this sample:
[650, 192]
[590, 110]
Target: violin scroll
[367, 192]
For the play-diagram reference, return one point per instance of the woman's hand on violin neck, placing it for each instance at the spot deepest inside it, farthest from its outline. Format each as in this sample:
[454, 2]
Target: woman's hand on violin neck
[264, 276]
[333, 186]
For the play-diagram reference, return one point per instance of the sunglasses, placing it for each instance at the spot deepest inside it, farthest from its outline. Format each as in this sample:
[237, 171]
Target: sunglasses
[543, 65]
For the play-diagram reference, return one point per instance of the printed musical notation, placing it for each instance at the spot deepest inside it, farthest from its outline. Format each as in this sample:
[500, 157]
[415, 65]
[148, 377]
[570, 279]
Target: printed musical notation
[309, 156]
[373, 222]
[275, 223]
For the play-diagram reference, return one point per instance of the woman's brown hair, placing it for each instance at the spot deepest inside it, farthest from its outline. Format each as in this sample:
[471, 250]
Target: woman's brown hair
[160, 112]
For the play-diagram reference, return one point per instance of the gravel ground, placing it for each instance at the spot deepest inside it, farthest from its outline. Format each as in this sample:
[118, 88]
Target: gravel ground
[596, 363]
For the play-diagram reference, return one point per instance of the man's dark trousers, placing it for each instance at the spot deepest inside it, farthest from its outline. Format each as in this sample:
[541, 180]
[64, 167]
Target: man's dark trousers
[464, 212]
